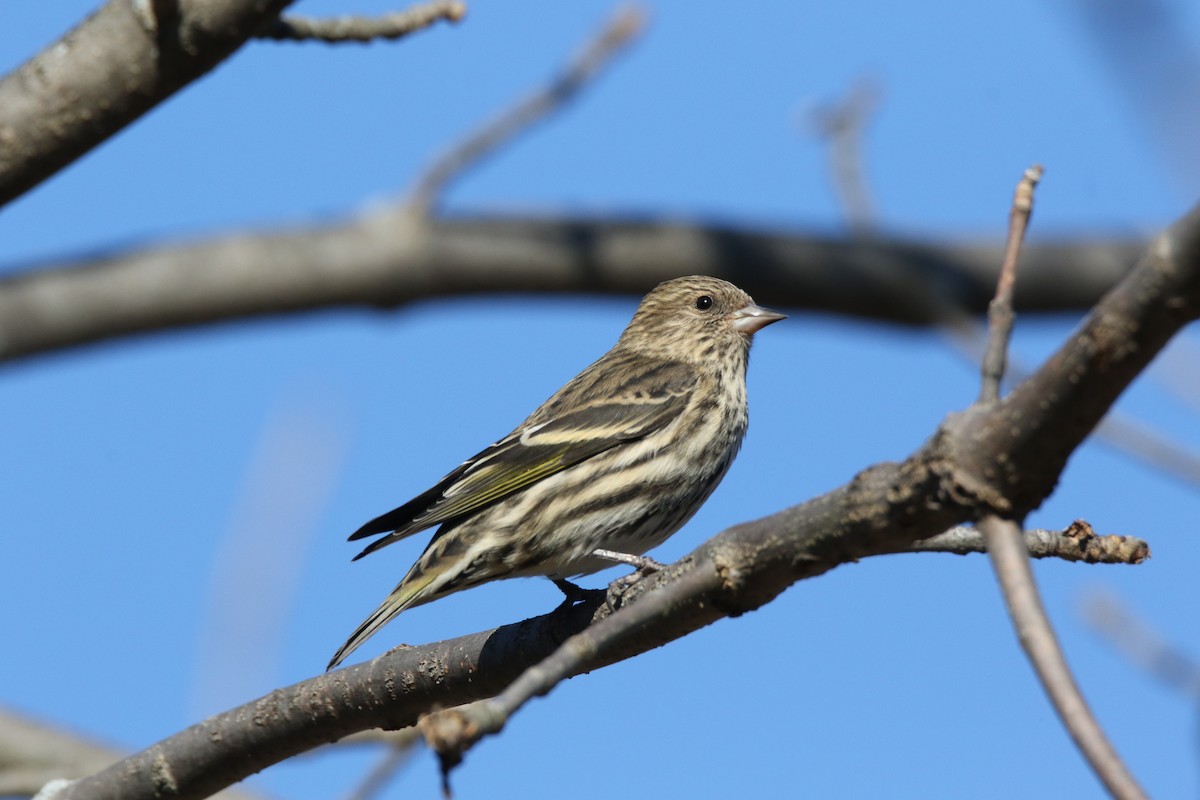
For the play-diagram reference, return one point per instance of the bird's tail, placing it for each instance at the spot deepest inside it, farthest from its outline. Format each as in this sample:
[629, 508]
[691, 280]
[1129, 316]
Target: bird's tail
[416, 588]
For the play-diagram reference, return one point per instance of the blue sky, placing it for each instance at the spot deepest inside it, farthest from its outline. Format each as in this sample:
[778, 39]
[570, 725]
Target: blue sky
[155, 577]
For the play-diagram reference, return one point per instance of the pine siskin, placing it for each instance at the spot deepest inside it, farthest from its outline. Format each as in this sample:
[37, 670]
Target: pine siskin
[618, 459]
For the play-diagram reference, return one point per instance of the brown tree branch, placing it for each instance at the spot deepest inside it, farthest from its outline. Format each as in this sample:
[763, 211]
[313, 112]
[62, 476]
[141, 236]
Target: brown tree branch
[617, 34]
[454, 731]
[336, 30]
[388, 259]
[394, 690]
[1126, 435]
[998, 457]
[113, 67]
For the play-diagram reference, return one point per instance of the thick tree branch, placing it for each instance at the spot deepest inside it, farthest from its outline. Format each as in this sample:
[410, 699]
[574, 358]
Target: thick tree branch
[453, 731]
[116, 65]
[394, 690]
[1077, 386]
[388, 259]
[1151, 446]
[990, 458]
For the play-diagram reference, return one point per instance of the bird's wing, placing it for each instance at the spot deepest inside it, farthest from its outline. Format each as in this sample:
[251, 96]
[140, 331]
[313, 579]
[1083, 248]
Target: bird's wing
[536, 451]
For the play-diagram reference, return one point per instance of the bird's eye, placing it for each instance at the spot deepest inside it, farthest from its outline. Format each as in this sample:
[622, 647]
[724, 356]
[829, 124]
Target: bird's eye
[704, 302]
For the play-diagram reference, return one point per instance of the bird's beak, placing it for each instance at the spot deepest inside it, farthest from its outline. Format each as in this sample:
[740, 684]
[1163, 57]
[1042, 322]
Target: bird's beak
[753, 318]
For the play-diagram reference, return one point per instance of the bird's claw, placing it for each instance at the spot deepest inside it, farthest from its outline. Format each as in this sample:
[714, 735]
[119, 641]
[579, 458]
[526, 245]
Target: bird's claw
[645, 565]
[573, 594]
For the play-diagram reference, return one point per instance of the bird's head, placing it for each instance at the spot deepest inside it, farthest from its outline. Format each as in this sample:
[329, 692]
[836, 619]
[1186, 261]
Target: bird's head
[693, 315]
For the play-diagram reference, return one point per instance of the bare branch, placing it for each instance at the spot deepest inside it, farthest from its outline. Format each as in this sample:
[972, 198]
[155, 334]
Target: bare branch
[738, 570]
[401, 745]
[1010, 557]
[620, 31]
[1144, 646]
[842, 124]
[388, 259]
[1000, 310]
[1078, 542]
[115, 66]
[1037, 637]
[392, 26]
[1151, 447]
[453, 731]
[34, 753]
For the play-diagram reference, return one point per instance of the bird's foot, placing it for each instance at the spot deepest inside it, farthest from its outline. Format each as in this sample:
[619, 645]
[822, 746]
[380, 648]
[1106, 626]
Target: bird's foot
[574, 594]
[643, 564]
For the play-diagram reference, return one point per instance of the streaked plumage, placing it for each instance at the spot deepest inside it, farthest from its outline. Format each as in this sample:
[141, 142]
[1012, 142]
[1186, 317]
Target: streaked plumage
[619, 458]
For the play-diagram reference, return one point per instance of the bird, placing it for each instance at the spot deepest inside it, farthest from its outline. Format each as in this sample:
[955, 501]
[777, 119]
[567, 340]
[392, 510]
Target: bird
[615, 461]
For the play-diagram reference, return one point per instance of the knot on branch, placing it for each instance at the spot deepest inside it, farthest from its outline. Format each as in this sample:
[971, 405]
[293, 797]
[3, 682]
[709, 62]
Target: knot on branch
[449, 733]
[1087, 545]
[969, 475]
[735, 594]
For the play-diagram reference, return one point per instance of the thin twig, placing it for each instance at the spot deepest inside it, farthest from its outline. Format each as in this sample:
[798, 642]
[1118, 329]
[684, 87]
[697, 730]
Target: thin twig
[401, 746]
[1176, 372]
[1077, 542]
[620, 31]
[1011, 563]
[1000, 311]
[1007, 551]
[335, 30]
[1144, 646]
[841, 123]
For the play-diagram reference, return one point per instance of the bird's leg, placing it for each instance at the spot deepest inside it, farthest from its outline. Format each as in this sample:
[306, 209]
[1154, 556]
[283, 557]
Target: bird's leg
[643, 564]
[573, 594]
